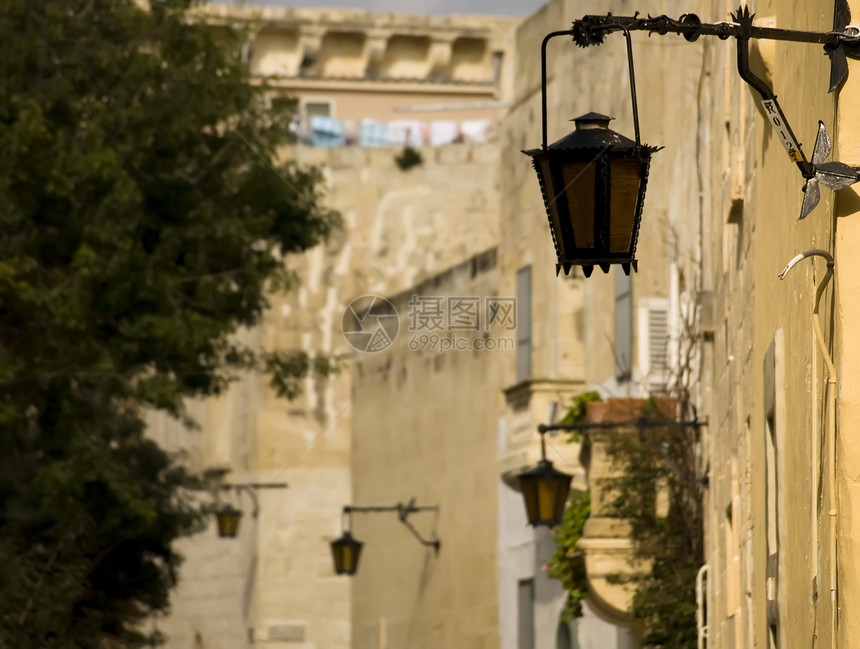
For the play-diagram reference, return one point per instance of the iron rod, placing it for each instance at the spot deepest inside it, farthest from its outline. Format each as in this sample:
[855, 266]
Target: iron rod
[663, 24]
[256, 485]
[392, 508]
[567, 32]
[633, 423]
[632, 86]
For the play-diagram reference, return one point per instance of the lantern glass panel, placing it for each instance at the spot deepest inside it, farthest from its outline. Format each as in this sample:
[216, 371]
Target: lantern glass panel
[228, 522]
[625, 179]
[579, 189]
[346, 558]
[545, 493]
[345, 552]
[547, 490]
[561, 498]
[530, 488]
[549, 189]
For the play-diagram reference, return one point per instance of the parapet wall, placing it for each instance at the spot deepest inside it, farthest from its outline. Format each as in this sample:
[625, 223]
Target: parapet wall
[347, 44]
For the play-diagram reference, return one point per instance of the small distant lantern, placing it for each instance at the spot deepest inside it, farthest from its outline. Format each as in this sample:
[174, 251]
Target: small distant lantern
[545, 491]
[593, 185]
[228, 518]
[346, 551]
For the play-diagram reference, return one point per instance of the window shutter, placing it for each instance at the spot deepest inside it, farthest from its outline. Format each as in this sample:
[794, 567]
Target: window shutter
[526, 614]
[524, 323]
[623, 339]
[653, 330]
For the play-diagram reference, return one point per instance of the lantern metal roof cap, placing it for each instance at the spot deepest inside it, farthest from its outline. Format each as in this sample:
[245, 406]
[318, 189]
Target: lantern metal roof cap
[543, 469]
[346, 539]
[593, 136]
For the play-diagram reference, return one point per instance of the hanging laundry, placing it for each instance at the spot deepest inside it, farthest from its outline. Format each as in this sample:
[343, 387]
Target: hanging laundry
[476, 130]
[326, 131]
[443, 132]
[373, 133]
[406, 132]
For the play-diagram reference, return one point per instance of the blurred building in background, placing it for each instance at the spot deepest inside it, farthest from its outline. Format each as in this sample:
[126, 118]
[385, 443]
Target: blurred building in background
[366, 85]
[418, 417]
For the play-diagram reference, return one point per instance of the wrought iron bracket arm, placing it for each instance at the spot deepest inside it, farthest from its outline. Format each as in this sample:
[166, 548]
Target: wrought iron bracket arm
[842, 41]
[251, 489]
[403, 513]
[591, 30]
[632, 423]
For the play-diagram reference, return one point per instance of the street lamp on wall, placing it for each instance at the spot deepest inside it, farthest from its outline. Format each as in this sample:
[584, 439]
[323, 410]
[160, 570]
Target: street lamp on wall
[593, 186]
[593, 180]
[345, 552]
[346, 549]
[228, 517]
[545, 490]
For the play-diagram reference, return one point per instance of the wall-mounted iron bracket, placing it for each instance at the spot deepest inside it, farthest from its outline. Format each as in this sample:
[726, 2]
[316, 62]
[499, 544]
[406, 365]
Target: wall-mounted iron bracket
[843, 41]
[251, 489]
[403, 513]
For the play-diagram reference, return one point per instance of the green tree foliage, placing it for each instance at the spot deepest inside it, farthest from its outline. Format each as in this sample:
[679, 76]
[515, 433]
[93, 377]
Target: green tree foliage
[576, 412]
[567, 563]
[408, 158]
[143, 221]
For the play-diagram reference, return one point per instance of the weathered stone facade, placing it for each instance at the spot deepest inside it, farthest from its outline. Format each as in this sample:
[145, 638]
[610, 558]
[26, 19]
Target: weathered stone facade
[275, 584]
[453, 429]
[764, 387]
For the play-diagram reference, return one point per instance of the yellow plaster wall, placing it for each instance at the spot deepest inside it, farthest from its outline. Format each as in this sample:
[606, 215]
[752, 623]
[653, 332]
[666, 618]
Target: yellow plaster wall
[847, 147]
[750, 231]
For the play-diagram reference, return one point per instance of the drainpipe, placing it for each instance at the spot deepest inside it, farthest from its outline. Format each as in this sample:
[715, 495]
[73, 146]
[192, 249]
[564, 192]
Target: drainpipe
[701, 627]
[831, 419]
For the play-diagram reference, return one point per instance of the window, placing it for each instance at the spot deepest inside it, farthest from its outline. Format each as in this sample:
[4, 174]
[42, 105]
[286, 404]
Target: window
[321, 108]
[653, 339]
[771, 585]
[524, 323]
[732, 545]
[526, 614]
[497, 67]
[623, 339]
[774, 486]
[567, 635]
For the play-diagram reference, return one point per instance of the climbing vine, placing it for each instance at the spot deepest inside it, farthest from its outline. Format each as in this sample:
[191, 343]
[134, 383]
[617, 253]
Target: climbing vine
[654, 487]
[567, 563]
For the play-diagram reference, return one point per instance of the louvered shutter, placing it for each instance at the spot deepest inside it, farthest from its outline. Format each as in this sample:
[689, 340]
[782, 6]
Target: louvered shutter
[623, 340]
[653, 339]
[524, 323]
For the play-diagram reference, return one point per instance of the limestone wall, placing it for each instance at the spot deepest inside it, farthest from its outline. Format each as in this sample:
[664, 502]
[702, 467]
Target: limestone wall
[276, 583]
[765, 397]
[425, 427]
